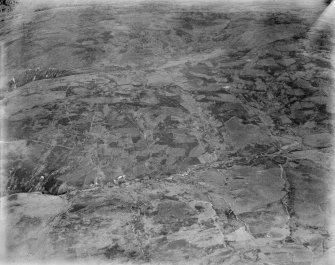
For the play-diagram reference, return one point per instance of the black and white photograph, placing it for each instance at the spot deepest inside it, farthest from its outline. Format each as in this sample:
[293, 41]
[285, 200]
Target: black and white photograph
[167, 132]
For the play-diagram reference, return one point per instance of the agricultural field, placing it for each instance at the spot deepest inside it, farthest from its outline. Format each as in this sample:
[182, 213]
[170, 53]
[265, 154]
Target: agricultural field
[167, 132]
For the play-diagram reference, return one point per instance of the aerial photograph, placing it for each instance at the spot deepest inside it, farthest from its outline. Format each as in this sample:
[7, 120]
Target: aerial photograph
[163, 132]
